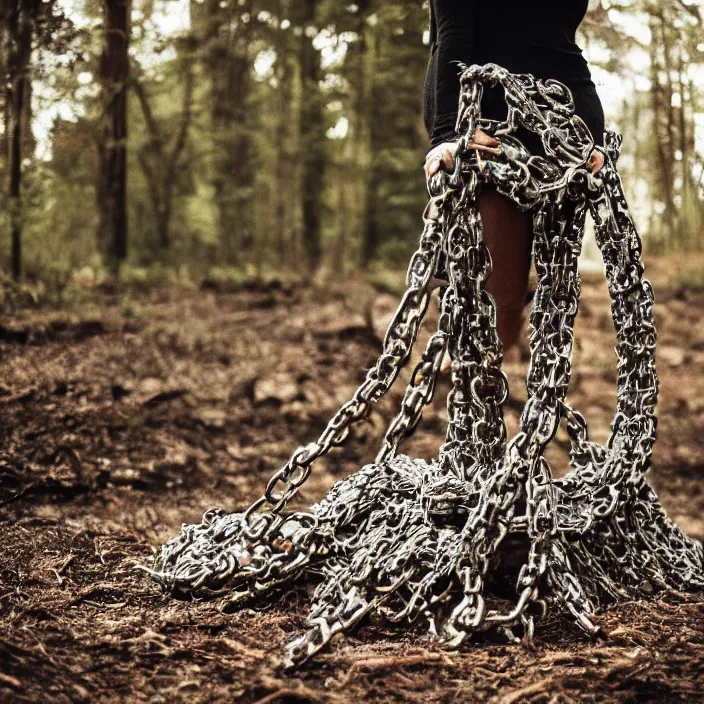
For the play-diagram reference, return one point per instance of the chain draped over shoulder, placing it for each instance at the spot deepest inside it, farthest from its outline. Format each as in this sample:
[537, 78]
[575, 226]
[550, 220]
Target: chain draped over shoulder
[415, 540]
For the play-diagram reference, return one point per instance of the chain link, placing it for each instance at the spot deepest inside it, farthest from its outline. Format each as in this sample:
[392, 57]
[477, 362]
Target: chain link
[414, 540]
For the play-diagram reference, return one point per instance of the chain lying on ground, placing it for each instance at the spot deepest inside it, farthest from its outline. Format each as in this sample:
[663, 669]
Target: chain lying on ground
[415, 540]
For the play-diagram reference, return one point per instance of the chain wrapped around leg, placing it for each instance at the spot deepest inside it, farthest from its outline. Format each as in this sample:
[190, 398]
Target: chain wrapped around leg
[415, 540]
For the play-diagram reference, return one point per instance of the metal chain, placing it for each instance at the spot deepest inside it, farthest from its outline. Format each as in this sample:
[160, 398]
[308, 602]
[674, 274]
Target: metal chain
[414, 540]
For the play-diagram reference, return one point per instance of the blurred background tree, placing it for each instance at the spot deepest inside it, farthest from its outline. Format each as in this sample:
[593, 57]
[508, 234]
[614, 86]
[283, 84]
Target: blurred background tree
[238, 137]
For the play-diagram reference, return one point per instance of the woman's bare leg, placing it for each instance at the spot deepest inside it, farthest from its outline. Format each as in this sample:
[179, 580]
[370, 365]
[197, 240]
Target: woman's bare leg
[508, 235]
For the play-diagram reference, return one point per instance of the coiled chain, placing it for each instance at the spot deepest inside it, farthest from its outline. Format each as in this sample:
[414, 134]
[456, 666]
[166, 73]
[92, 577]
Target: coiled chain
[414, 540]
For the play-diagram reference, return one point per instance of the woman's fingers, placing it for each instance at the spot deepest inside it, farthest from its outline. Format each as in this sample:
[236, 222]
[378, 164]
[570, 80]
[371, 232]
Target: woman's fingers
[432, 165]
[486, 140]
[448, 156]
[442, 155]
[596, 161]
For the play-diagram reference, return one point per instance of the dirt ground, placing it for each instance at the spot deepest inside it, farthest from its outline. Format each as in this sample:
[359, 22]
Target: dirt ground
[144, 410]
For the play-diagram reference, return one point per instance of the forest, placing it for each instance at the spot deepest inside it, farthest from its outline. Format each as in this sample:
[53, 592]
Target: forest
[184, 140]
[207, 211]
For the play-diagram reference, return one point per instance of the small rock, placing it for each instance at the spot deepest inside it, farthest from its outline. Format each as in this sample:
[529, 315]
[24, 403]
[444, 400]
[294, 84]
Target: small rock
[281, 387]
[341, 324]
[150, 386]
[212, 417]
[125, 476]
[671, 355]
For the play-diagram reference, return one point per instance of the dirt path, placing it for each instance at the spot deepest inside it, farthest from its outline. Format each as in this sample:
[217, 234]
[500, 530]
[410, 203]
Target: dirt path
[139, 414]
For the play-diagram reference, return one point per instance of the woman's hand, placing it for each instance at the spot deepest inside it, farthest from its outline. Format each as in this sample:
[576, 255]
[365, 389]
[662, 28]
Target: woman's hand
[444, 154]
[596, 161]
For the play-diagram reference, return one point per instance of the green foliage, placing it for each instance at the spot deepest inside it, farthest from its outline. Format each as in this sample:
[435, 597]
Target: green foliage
[154, 275]
[692, 279]
[16, 297]
[262, 132]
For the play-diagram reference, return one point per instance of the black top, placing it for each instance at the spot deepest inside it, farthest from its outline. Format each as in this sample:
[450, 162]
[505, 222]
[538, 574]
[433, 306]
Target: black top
[523, 36]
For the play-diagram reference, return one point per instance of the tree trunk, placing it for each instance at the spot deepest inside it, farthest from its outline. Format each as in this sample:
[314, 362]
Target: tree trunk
[164, 226]
[368, 103]
[662, 132]
[158, 160]
[229, 64]
[16, 177]
[112, 140]
[674, 217]
[283, 172]
[313, 141]
[697, 186]
[5, 97]
[19, 29]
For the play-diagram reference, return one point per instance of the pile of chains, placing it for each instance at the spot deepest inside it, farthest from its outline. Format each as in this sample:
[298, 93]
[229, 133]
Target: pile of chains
[413, 541]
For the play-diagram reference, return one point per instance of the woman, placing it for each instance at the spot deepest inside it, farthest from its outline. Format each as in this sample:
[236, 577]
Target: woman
[523, 36]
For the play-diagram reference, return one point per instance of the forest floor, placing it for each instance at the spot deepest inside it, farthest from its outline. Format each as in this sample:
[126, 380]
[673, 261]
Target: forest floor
[140, 411]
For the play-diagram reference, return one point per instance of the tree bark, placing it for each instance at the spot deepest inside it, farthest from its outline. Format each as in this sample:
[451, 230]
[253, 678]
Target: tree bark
[19, 28]
[229, 62]
[16, 178]
[313, 140]
[662, 132]
[368, 103]
[283, 172]
[112, 139]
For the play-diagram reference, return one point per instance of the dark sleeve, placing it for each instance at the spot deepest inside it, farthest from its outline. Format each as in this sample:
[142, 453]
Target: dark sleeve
[429, 94]
[454, 35]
